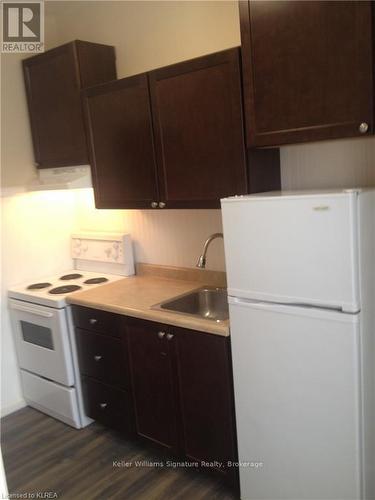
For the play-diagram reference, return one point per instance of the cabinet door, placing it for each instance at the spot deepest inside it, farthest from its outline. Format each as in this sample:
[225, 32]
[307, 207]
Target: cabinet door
[121, 143]
[206, 396]
[53, 91]
[197, 113]
[308, 70]
[151, 364]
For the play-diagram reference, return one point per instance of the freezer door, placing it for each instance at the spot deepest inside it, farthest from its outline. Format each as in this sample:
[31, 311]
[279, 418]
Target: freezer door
[293, 249]
[297, 398]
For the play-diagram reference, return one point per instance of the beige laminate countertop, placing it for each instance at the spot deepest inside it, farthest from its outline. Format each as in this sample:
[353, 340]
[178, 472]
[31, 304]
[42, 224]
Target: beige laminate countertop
[135, 295]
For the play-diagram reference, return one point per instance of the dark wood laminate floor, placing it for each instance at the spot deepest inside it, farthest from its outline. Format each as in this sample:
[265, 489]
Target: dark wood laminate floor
[42, 454]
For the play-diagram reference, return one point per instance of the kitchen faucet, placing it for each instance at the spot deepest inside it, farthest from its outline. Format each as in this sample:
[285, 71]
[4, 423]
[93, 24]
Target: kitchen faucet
[201, 263]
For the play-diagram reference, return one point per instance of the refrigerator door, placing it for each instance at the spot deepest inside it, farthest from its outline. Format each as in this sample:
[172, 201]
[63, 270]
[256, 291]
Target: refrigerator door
[293, 249]
[297, 397]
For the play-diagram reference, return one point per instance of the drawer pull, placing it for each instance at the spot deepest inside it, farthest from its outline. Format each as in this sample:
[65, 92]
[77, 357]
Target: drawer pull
[93, 321]
[161, 335]
[98, 358]
[103, 405]
[170, 336]
[363, 128]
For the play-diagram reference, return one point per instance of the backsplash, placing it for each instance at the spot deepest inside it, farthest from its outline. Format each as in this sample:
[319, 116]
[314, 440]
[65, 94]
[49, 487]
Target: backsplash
[170, 237]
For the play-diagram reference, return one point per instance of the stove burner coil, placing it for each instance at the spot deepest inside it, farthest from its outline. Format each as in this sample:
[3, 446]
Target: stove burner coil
[38, 286]
[94, 281]
[64, 289]
[74, 276]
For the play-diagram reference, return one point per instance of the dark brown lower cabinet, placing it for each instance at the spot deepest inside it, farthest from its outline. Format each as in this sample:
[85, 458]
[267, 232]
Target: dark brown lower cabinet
[104, 368]
[151, 365]
[183, 393]
[107, 404]
[205, 389]
[170, 385]
[102, 358]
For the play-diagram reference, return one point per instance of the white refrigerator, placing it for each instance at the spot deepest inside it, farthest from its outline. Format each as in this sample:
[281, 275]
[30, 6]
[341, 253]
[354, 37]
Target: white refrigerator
[301, 287]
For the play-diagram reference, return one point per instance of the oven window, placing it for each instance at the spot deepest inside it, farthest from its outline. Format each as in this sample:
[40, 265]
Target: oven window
[38, 335]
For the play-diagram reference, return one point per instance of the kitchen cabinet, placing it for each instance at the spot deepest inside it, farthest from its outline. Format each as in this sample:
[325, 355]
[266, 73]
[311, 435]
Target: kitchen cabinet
[102, 358]
[108, 405]
[97, 321]
[53, 82]
[170, 385]
[182, 389]
[122, 150]
[308, 70]
[151, 361]
[206, 395]
[174, 138]
[197, 117]
[104, 368]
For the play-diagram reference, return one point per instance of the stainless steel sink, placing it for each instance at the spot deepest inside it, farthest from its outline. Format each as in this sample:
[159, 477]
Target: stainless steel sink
[208, 302]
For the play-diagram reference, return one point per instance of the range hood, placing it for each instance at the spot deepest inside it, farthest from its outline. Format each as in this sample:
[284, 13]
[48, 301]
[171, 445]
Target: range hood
[62, 178]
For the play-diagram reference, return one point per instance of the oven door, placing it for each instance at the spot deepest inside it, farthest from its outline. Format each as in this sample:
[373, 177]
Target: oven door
[42, 341]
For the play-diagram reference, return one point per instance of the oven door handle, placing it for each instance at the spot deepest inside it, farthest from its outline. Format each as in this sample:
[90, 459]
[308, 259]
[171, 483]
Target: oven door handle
[30, 310]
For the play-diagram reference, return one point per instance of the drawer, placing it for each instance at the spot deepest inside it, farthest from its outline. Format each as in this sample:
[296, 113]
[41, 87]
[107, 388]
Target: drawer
[102, 357]
[97, 321]
[108, 405]
[54, 399]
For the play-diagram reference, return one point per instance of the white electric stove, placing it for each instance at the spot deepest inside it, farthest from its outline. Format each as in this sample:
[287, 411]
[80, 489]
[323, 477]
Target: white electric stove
[43, 326]
[52, 291]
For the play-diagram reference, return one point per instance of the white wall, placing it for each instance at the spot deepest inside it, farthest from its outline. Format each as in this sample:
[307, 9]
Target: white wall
[329, 164]
[149, 34]
[35, 234]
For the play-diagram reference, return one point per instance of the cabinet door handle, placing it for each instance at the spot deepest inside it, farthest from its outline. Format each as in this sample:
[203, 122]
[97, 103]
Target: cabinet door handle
[161, 204]
[103, 405]
[93, 321]
[170, 336]
[363, 128]
[161, 335]
[98, 358]
[154, 204]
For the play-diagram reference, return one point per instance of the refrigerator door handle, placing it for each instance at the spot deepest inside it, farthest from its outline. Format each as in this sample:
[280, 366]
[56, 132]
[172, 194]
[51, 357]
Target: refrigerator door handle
[295, 309]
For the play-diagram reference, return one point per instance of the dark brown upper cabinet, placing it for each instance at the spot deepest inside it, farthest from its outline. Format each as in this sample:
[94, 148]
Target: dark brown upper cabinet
[197, 116]
[54, 81]
[307, 70]
[174, 138]
[122, 152]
